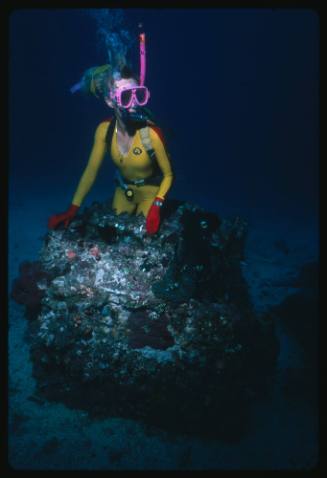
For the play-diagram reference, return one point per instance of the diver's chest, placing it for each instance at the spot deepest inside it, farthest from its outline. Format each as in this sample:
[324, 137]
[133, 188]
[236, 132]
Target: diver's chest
[124, 145]
[130, 153]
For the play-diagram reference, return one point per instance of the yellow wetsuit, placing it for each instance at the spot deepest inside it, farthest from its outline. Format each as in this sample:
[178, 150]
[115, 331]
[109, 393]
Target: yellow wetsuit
[136, 164]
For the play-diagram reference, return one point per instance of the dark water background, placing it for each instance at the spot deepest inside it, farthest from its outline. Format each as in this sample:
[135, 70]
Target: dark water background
[235, 90]
[236, 93]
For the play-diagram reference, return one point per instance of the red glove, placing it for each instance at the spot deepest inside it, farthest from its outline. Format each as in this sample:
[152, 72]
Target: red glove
[153, 217]
[65, 217]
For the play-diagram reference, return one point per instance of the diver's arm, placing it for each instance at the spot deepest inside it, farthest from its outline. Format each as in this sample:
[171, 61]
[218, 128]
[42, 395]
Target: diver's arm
[153, 216]
[86, 181]
[93, 165]
[164, 164]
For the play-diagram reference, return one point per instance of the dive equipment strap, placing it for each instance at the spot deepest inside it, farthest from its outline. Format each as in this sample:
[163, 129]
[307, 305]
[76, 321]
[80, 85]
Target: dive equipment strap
[146, 141]
[129, 193]
[119, 179]
[110, 133]
[150, 181]
[156, 178]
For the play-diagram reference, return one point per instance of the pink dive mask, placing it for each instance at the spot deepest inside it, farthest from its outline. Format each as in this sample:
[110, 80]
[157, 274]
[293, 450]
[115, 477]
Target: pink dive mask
[126, 97]
[135, 95]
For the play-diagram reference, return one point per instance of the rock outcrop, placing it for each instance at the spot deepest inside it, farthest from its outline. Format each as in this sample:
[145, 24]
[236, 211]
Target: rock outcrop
[158, 328]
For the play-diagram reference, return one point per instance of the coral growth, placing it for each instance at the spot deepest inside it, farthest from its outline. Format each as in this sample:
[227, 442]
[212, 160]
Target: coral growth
[29, 288]
[155, 327]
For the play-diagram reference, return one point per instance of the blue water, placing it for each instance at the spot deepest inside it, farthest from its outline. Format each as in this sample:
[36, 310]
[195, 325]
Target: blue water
[237, 94]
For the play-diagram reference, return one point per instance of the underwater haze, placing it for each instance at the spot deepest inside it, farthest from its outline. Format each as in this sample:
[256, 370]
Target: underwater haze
[236, 93]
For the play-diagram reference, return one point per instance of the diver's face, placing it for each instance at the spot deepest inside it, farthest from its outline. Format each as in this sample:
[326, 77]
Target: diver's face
[123, 83]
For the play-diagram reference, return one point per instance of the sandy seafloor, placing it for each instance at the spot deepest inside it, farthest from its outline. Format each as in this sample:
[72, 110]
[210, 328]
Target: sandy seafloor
[49, 436]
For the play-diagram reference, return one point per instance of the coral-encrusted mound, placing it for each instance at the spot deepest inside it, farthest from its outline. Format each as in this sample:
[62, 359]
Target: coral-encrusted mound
[153, 327]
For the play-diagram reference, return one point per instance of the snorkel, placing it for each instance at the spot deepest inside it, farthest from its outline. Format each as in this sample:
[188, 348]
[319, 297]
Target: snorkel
[142, 59]
[95, 79]
[139, 115]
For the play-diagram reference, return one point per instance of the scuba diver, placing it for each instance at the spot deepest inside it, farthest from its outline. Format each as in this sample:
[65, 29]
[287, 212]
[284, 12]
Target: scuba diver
[144, 174]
